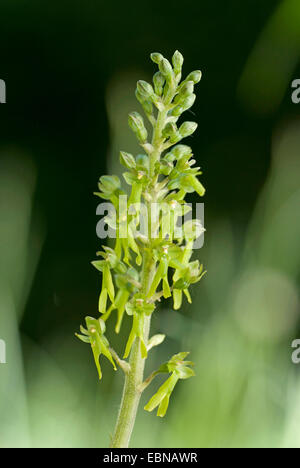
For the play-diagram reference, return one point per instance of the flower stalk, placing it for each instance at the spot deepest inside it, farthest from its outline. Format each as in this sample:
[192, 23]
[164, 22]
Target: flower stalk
[143, 268]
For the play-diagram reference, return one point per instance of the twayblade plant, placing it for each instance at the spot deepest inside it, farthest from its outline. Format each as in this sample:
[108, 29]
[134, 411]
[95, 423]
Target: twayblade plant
[144, 267]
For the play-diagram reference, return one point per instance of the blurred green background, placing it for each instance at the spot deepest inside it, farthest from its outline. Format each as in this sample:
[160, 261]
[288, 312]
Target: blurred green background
[70, 68]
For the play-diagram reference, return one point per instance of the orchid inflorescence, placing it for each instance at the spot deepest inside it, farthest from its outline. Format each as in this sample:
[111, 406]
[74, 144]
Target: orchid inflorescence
[141, 269]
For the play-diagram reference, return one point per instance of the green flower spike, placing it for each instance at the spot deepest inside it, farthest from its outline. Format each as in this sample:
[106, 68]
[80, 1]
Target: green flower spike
[94, 334]
[138, 308]
[179, 369]
[152, 256]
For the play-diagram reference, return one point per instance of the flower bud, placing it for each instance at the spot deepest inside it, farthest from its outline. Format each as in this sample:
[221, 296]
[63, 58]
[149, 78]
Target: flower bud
[166, 69]
[145, 90]
[136, 123]
[181, 150]
[187, 128]
[155, 340]
[156, 57]
[158, 81]
[188, 102]
[109, 184]
[186, 90]
[147, 105]
[177, 61]
[127, 160]
[194, 76]
[148, 147]
[169, 130]
[177, 111]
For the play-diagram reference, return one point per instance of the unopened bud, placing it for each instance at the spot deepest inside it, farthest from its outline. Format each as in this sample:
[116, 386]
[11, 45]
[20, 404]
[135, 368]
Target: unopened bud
[177, 111]
[177, 61]
[158, 81]
[145, 89]
[142, 160]
[169, 130]
[147, 105]
[136, 123]
[166, 69]
[186, 90]
[187, 128]
[194, 76]
[188, 102]
[109, 184]
[156, 57]
[127, 160]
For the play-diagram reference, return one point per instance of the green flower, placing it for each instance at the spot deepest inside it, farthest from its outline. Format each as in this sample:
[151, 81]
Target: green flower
[110, 261]
[127, 284]
[161, 274]
[138, 308]
[107, 289]
[188, 273]
[94, 334]
[179, 369]
[127, 160]
[125, 225]
[110, 189]
[167, 254]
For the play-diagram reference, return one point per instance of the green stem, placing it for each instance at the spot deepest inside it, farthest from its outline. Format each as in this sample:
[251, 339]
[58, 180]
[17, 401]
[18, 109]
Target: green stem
[133, 379]
[131, 394]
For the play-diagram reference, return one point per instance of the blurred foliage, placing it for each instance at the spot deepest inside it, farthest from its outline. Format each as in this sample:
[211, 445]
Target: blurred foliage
[70, 70]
